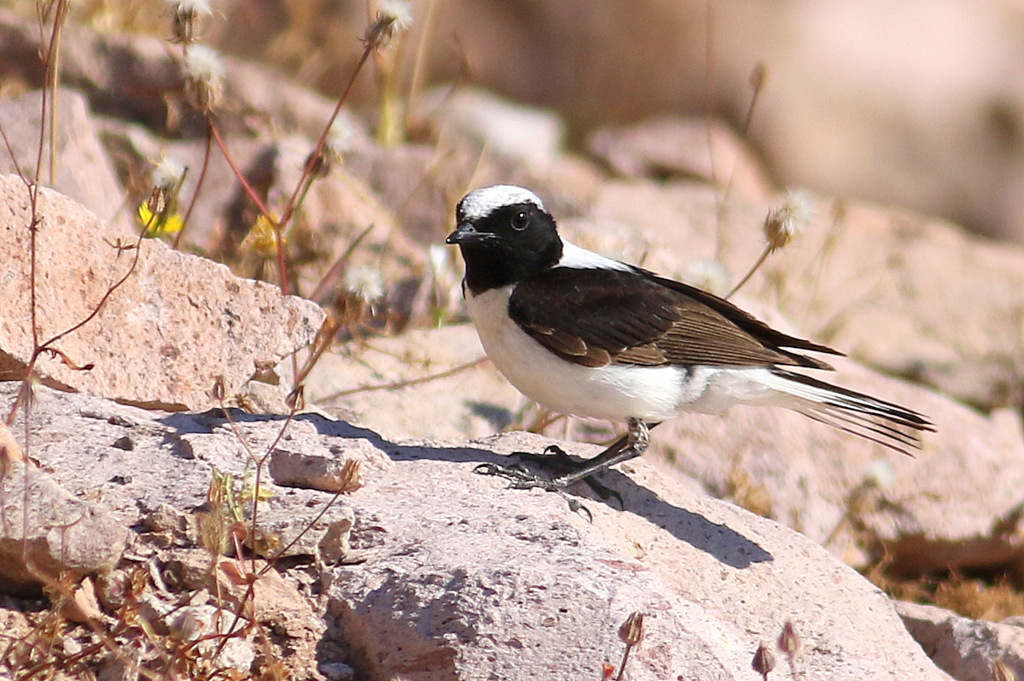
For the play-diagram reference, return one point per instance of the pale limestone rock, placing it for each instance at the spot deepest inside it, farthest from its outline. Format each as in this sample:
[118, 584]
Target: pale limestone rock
[683, 148]
[964, 648]
[46, 532]
[82, 169]
[475, 579]
[163, 338]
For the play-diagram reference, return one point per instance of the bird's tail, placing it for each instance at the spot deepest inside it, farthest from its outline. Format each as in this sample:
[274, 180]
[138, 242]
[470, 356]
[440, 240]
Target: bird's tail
[883, 422]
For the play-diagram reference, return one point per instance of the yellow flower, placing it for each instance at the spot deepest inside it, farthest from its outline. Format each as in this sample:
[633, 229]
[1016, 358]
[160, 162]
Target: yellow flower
[159, 224]
[262, 238]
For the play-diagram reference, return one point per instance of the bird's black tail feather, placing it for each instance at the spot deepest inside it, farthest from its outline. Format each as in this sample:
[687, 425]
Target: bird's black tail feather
[883, 422]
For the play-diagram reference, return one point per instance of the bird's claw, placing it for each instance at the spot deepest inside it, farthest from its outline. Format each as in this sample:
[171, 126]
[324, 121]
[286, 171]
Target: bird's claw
[520, 478]
[513, 473]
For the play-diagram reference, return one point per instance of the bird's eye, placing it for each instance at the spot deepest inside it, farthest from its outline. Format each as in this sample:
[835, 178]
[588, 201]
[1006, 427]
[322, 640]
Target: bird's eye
[520, 220]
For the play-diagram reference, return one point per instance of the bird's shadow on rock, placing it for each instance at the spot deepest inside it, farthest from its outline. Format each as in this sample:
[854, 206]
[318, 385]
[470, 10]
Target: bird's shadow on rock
[720, 541]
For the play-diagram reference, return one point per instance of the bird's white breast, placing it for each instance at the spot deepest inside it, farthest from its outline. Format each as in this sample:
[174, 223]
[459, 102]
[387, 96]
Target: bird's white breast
[613, 392]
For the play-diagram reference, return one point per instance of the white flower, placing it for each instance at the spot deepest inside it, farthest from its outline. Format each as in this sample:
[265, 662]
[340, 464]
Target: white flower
[204, 76]
[167, 172]
[788, 220]
[203, 64]
[708, 275]
[365, 283]
[393, 17]
[399, 12]
[194, 8]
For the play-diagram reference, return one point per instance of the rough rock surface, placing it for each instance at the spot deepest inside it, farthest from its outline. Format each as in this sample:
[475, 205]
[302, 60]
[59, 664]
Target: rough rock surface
[82, 169]
[137, 462]
[162, 338]
[803, 474]
[476, 580]
[46, 533]
[965, 648]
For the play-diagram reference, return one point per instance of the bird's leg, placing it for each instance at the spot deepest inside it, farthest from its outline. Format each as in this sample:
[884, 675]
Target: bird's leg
[629, 446]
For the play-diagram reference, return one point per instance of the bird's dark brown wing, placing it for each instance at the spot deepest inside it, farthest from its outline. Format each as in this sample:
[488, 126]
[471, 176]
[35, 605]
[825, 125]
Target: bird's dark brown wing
[596, 317]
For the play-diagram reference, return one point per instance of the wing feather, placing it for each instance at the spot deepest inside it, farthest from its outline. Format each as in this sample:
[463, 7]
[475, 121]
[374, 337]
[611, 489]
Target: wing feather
[598, 316]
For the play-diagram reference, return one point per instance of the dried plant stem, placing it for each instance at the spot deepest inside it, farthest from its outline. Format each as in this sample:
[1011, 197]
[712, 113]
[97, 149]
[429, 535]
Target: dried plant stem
[235, 169]
[334, 270]
[406, 383]
[757, 79]
[420, 61]
[294, 201]
[258, 461]
[199, 186]
[760, 261]
[51, 61]
[282, 264]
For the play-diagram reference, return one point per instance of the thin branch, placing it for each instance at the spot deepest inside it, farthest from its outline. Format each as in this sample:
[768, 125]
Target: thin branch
[199, 186]
[406, 383]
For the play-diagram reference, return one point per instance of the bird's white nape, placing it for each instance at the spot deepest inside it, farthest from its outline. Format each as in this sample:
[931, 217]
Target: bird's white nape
[480, 203]
[581, 259]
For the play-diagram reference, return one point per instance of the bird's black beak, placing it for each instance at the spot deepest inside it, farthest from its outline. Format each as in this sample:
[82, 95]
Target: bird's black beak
[465, 233]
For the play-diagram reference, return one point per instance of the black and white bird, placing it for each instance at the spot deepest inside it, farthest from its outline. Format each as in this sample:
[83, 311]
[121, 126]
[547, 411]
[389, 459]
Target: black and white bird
[587, 335]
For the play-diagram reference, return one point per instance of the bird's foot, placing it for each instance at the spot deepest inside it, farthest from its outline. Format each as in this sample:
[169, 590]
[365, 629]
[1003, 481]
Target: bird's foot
[558, 463]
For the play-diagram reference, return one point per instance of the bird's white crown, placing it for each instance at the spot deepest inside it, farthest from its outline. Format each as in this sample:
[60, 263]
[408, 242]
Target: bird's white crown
[480, 203]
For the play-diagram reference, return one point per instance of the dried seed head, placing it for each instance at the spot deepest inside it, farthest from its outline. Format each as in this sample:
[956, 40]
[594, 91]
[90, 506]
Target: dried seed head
[789, 642]
[393, 17]
[365, 283]
[167, 172]
[186, 16]
[296, 399]
[708, 275]
[632, 630]
[337, 143]
[219, 389]
[764, 661]
[204, 77]
[788, 220]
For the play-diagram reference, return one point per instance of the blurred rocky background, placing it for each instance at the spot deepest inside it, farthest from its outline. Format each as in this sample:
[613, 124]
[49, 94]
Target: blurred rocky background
[659, 133]
[917, 103]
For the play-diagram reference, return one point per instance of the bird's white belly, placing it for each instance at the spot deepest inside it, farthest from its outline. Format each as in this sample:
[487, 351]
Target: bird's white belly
[613, 392]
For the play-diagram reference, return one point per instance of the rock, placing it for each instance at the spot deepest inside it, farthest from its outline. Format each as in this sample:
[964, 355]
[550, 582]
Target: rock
[440, 542]
[966, 649]
[685, 148]
[162, 339]
[326, 473]
[337, 671]
[325, 538]
[138, 78]
[523, 134]
[82, 169]
[48, 533]
[492, 578]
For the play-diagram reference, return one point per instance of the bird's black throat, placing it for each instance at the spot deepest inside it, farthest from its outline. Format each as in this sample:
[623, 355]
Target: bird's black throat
[502, 256]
